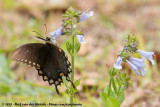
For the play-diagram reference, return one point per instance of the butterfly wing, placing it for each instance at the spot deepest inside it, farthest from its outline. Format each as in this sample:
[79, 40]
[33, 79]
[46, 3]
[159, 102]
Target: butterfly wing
[56, 65]
[31, 54]
[50, 61]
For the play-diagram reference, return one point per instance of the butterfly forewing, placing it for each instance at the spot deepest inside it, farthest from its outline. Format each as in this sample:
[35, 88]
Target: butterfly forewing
[31, 54]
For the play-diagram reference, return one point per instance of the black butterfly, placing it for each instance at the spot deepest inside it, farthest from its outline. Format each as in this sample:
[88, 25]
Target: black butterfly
[49, 60]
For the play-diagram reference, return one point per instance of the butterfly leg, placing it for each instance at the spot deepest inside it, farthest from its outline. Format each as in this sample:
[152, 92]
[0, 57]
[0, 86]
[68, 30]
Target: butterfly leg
[57, 89]
[71, 82]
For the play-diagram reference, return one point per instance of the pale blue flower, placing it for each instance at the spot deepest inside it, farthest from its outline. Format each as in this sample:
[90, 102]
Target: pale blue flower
[134, 68]
[74, 26]
[56, 33]
[139, 63]
[148, 55]
[133, 46]
[53, 40]
[86, 15]
[126, 48]
[117, 65]
[80, 38]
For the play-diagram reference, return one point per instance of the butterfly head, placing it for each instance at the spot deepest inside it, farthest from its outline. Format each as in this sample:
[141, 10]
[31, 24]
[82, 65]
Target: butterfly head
[48, 39]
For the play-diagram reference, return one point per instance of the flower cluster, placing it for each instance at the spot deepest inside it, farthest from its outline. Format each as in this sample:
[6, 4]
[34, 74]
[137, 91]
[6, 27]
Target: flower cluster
[136, 64]
[80, 37]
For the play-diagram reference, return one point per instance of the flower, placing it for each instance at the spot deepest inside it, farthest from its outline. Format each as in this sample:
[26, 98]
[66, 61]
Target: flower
[74, 26]
[117, 65]
[86, 15]
[80, 38]
[53, 40]
[126, 48]
[147, 55]
[133, 46]
[139, 63]
[56, 33]
[133, 67]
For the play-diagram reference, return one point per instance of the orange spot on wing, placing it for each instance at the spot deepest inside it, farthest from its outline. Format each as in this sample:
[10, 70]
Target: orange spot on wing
[61, 74]
[60, 50]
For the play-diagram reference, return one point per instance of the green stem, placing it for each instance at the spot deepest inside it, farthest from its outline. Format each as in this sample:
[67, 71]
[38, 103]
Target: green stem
[118, 91]
[122, 51]
[114, 85]
[109, 90]
[113, 82]
[72, 62]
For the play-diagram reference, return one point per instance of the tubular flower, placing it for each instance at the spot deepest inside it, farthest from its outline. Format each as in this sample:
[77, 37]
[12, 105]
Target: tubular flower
[53, 40]
[134, 68]
[86, 15]
[56, 33]
[117, 65]
[80, 38]
[139, 63]
[148, 55]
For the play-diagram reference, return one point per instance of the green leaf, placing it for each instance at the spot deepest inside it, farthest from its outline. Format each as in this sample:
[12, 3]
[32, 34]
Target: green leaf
[108, 101]
[79, 32]
[65, 82]
[76, 83]
[104, 97]
[114, 84]
[77, 47]
[69, 47]
[110, 71]
[121, 96]
[112, 102]
[112, 93]
[106, 89]
[4, 88]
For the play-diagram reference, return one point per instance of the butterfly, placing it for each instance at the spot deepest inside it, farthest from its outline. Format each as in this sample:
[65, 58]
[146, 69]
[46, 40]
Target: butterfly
[47, 58]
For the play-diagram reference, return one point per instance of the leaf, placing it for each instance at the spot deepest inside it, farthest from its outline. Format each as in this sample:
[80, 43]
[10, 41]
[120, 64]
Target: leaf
[69, 47]
[106, 89]
[104, 98]
[121, 96]
[112, 102]
[112, 94]
[4, 89]
[76, 83]
[108, 101]
[65, 82]
[77, 47]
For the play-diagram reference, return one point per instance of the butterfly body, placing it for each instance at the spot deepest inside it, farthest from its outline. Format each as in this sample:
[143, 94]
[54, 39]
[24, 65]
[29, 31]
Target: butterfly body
[48, 59]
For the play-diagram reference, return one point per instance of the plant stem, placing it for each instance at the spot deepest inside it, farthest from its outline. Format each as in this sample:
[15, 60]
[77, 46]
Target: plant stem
[109, 90]
[114, 85]
[72, 62]
[112, 82]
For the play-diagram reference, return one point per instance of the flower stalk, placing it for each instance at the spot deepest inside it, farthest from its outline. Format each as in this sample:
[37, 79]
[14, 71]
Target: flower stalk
[71, 18]
[72, 60]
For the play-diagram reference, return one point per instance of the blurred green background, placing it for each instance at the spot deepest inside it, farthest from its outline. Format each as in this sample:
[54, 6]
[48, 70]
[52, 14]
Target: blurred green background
[104, 33]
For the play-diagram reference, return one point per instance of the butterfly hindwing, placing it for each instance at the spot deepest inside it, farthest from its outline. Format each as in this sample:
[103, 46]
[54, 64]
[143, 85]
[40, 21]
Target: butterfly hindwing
[55, 64]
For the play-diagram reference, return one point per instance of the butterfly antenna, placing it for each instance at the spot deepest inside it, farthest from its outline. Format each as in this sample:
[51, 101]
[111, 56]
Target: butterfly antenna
[46, 29]
[38, 38]
[37, 33]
